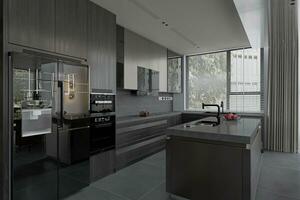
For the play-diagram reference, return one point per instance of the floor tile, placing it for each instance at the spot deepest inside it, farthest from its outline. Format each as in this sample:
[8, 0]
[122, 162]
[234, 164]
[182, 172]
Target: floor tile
[277, 159]
[92, 193]
[132, 182]
[282, 181]
[159, 193]
[158, 160]
[263, 194]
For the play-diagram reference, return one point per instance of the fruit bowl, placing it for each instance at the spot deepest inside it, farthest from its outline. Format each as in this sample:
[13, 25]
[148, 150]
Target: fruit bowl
[231, 116]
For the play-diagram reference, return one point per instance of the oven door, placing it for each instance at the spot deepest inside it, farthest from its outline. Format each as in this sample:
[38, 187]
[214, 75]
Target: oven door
[102, 137]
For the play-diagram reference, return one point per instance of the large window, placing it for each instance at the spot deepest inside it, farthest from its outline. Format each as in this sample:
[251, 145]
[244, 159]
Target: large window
[233, 77]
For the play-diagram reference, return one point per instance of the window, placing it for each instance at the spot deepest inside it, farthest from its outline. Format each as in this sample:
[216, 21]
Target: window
[207, 79]
[245, 81]
[233, 77]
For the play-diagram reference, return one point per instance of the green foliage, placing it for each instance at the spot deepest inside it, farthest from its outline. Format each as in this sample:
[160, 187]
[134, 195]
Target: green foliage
[207, 79]
[174, 74]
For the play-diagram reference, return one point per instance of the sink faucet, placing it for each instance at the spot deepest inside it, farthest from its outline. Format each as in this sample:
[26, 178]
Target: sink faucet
[222, 106]
[213, 105]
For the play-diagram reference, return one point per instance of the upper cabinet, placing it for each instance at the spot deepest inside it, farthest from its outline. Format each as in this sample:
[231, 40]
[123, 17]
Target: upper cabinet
[71, 27]
[32, 23]
[50, 25]
[141, 52]
[102, 47]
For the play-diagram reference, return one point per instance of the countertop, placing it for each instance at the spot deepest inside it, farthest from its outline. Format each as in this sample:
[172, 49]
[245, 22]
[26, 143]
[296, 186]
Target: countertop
[241, 131]
[203, 113]
[136, 118]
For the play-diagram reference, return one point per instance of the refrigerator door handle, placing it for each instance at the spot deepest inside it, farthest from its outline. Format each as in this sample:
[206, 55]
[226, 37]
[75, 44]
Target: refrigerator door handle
[61, 117]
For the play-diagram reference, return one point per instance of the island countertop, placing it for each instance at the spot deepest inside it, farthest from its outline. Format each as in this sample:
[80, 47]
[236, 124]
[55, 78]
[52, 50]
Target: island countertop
[241, 131]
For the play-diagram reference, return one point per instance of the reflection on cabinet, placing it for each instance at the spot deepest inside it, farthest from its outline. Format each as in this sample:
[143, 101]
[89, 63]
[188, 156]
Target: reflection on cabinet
[32, 23]
[139, 51]
[71, 27]
[174, 74]
[101, 47]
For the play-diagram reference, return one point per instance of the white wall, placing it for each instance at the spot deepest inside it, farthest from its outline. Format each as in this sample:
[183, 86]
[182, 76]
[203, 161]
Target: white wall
[252, 14]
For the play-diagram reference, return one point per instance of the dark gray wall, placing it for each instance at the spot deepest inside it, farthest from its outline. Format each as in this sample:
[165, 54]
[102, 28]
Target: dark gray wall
[1, 96]
[130, 104]
[4, 105]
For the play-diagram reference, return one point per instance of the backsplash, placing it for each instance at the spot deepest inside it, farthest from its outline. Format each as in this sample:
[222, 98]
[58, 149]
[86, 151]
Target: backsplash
[130, 104]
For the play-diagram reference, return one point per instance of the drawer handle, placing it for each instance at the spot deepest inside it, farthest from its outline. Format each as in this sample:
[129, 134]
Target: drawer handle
[168, 138]
[73, 129]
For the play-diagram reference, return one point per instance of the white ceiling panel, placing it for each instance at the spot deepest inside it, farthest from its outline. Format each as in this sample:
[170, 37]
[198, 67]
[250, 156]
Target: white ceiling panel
[194, 26]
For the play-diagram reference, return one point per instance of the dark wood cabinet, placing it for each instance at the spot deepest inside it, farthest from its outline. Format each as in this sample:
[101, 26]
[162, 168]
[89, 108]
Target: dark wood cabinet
[71, 27]
[32, 23]
[202, 170]
[138, 139]
[101, 47]
[102, 164]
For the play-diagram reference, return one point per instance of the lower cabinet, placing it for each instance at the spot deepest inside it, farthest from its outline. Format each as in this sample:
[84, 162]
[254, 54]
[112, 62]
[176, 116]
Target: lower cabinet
[205, 169]
[133, 153]
[137, 140]
[102, 164]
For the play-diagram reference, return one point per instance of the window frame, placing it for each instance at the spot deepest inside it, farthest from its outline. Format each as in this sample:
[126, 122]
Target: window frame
[228, 79]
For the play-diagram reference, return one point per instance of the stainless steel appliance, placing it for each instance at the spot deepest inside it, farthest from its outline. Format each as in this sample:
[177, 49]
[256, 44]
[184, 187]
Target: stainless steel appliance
[103, 122]
[50, 142]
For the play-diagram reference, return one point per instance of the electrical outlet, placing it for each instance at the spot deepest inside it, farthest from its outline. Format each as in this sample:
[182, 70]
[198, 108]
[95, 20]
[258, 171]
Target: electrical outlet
[165, 98]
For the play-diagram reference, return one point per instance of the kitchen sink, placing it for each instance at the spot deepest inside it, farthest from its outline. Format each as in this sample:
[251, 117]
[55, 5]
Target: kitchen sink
[207, 123]
[201, 123]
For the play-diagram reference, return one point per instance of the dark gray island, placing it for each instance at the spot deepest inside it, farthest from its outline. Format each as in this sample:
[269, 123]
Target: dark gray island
[214, 162]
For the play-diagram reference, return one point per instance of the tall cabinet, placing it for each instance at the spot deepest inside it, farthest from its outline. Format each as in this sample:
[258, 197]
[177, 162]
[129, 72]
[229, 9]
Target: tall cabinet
[32, 23]
[101, 47]
[71, 27]
[56, 26]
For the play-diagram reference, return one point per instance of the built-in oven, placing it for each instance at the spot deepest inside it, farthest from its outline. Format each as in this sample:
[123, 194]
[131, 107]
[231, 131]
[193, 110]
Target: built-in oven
[102, 133]
[102, 103]
[103, 122]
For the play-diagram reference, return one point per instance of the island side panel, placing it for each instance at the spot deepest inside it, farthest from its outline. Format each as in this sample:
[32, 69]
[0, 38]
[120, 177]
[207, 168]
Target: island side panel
[198, 169]
[256, 161]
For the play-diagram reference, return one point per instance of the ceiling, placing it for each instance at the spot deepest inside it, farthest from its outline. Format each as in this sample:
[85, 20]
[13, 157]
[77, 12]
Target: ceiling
[193, 26]
[253, 14]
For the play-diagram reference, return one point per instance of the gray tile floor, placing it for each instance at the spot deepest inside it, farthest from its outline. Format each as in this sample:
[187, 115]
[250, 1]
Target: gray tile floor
[280, 177]
[145, 180]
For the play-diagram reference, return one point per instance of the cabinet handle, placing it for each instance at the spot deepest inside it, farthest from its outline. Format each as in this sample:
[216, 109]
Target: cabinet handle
[168, 138]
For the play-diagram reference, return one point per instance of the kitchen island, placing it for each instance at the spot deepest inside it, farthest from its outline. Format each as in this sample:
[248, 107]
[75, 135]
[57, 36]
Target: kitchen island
[214, 162]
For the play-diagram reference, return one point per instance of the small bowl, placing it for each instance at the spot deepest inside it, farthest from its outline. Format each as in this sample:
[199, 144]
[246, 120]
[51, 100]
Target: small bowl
[231, 117]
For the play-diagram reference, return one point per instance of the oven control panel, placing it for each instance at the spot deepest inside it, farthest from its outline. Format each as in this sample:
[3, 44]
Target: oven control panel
[102, 103]
[103, 119]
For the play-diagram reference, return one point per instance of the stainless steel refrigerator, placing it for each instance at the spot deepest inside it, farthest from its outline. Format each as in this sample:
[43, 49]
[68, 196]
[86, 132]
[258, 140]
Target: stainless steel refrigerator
[50, 138]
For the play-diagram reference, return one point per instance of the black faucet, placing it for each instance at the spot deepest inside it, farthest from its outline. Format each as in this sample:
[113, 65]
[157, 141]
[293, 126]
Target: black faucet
[213, 105]
[222, 106]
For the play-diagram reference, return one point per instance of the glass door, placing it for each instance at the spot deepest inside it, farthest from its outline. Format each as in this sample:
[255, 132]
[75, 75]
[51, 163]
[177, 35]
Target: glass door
[34, 144]
[74, 132]
[50, 139]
